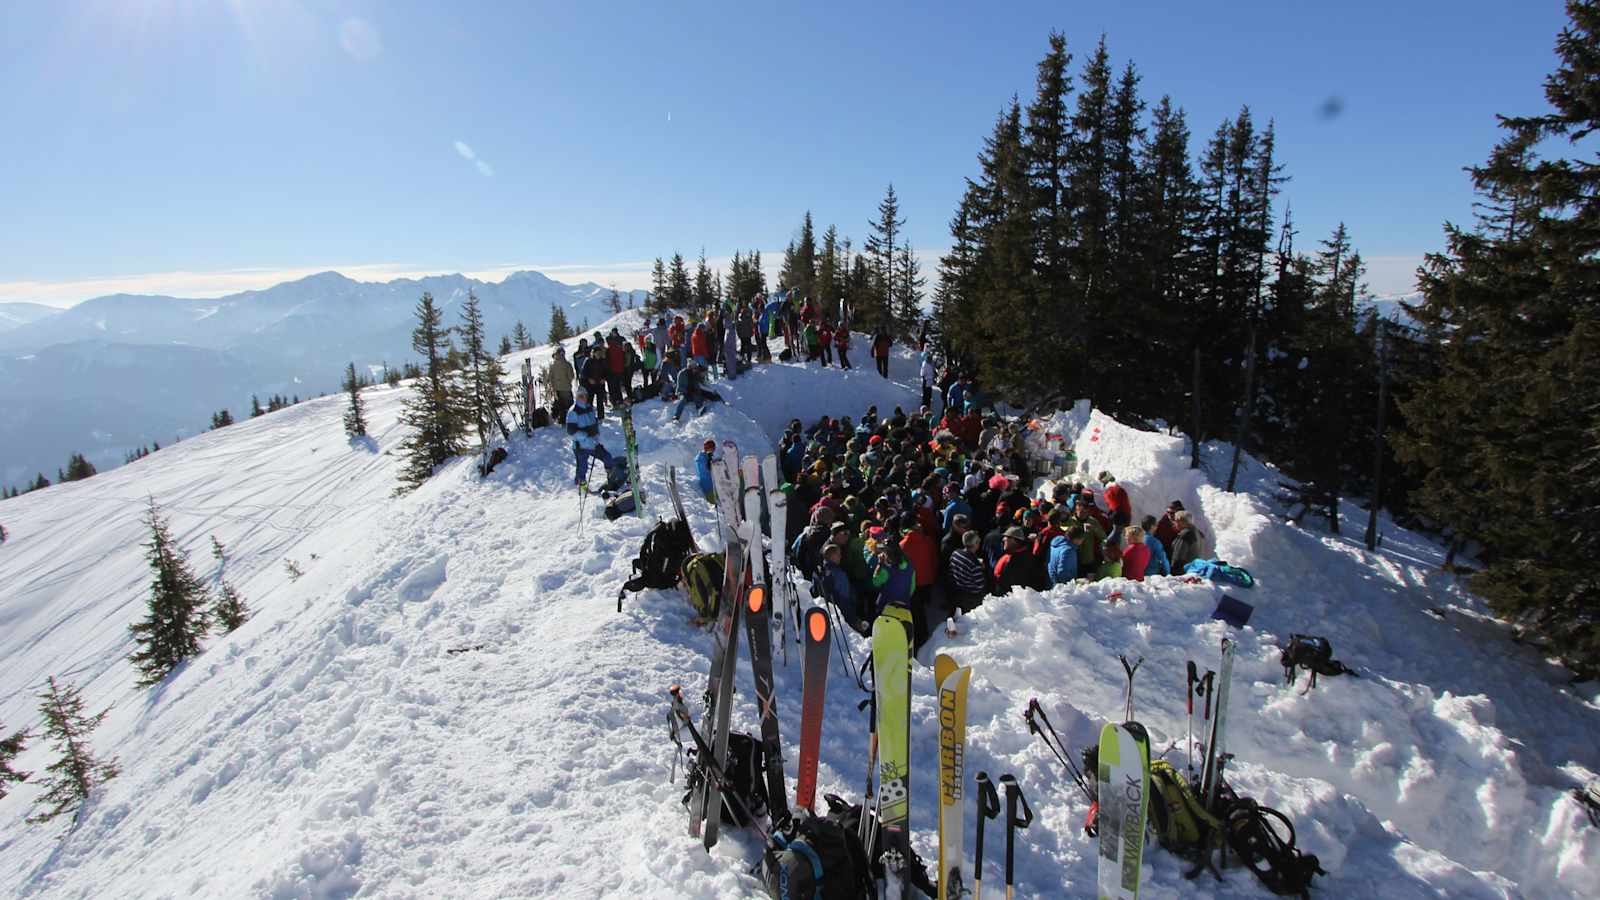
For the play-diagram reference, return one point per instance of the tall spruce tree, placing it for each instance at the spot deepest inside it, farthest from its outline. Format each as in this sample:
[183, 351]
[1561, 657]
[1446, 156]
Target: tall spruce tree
[1047, 143]
[882, 237]
[659, 286]
[79, 468]
[76, 772]
[830, 274]
[481, 375]
[702, 295]
[9, 748]
[432, 412]
[909, 285]
[521, 338]
[680, 293]
[177, 614]
[355, 418]
[560, 328]
[1513, 318]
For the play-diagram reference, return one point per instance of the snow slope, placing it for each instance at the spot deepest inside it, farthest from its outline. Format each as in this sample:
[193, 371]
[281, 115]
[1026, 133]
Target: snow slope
[447, 704]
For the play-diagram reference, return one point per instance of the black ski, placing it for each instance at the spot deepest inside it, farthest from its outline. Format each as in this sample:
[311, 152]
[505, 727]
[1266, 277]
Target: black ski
[758, 624]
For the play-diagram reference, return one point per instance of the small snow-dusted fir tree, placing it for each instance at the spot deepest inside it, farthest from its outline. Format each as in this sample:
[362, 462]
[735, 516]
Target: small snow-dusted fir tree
[355, 418]
[481, 373]
[230, 610]
[560, 328]
[77, 772]
[433, 412]
[178, 607]
[9, 748]
[521, 337]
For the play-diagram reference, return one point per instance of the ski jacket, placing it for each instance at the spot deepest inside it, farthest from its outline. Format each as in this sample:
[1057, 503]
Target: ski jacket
[1093, 537]
[594, 370]
[854, 560]
[834, 584]
[895, 584]
[825, 336]
[928, 372]
[730, 352]
[1166, 530]
[1013, 570]
[663, 339]
[813, 339]
[558, 375]
[807, 547]
[616, 356]
[583, 426]
[1186, 548]
[956, 397]
[1158, 564]
[1117, 499]
[880, 344]
[841, 339]
[1063, 565]
[702, 466]
[923, 554]
[675, 333]
[700, 343]
[650, 360]
[688, 384]
[955, 507]
[967, 573]
[1135, 560]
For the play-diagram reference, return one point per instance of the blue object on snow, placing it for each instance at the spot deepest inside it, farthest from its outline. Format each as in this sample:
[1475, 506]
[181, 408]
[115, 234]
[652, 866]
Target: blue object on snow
[1233, 611]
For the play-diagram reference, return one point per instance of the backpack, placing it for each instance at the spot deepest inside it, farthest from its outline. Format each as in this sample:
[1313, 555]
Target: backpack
[1314, 654]
[1256, 841]
[1216, 570]
[746, 773]
[848, 816]
[818, 858]
[540, 418]
[702, 580]
[660, 557]
[1181, 822]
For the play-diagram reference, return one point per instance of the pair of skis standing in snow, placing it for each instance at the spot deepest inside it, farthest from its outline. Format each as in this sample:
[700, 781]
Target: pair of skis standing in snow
[745, 594]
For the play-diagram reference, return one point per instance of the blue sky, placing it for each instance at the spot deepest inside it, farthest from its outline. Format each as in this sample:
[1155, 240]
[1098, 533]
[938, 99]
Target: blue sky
[202, 146]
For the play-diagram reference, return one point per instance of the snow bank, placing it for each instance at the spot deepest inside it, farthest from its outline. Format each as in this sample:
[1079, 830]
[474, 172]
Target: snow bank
[446, 703]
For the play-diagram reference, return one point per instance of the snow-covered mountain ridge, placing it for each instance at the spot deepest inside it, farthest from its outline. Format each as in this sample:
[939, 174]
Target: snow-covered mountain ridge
[335, 746]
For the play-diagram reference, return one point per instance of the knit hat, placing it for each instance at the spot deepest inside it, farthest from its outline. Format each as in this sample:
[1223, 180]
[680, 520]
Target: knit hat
[709, 444]
[1016, 532]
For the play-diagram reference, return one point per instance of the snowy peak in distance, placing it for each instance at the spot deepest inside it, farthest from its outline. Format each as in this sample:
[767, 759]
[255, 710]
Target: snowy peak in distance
[15, 315]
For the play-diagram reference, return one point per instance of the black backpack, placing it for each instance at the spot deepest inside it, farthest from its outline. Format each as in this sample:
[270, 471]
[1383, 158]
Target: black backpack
[849, 816]
[1254, 835]
[1313, 654]
[661, 555]
[818, 858]
[747, 780]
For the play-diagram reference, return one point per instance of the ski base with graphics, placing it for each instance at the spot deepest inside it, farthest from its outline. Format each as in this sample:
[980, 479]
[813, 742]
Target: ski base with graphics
[1124, 803]
[891, 668]
[952, 681]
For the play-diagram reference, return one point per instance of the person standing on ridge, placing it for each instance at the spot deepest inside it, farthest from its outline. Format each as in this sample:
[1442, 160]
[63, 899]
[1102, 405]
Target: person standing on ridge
[880, 350]
[583, 424]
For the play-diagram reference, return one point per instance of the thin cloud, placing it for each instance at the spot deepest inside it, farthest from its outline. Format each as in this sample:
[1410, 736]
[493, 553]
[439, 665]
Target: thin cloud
[466, 152]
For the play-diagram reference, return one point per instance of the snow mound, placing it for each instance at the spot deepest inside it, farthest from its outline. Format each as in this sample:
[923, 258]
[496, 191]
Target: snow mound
[446, 703]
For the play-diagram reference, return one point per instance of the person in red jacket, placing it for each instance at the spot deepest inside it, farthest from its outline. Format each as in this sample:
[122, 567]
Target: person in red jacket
[700, 344]
[1117, 500]
[1135, 555]
[841, 342]
[923, 554]
[675, 335]
[880, 350]
[1167, 528]
[825, 343]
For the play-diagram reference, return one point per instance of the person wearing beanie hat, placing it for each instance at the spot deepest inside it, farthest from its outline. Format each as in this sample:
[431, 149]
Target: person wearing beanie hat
[1167, 527]
[702, 465]
[1015, 567]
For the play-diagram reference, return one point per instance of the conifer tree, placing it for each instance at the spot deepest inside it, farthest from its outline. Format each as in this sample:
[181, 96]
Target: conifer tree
[9, 748]
[679, 292]
[221, 419]
[438, 428]
[355, 418]
[659, 286]
[230, 610]
[255, 407]
[79, 468]
[1046, 150]
[880, 251]
[829, 276]
[560, 329]
[77, 772]
[1510, 312]
[614, 301]
[39, 483]
[482, 374]
[177, 616]
[521, 337]
[506, 347]
[702, 296]
[909, 285]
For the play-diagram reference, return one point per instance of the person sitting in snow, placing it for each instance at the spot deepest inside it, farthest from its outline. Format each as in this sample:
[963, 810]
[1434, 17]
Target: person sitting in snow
[584, 426]
[690, 382]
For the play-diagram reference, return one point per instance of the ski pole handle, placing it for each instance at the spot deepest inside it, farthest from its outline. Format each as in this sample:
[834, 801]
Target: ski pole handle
[1193, 677]
[988, 808]
[1013, 822]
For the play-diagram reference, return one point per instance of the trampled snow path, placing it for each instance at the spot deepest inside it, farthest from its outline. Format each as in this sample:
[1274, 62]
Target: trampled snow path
[336, 746]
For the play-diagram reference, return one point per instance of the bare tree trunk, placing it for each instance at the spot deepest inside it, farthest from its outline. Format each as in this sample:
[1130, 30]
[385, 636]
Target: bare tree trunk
[1247, 410]
[1377, 440]
[1194, 433]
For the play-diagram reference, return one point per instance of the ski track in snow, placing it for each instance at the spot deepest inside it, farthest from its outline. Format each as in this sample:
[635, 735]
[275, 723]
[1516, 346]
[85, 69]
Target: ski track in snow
[334, 746]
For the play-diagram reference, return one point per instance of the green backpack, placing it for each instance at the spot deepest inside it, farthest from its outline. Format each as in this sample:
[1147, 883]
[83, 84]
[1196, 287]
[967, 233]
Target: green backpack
[1180, 820]
[702, 579]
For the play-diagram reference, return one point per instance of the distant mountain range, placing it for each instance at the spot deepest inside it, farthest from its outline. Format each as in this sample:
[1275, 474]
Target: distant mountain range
[115, 373]
[15, 315]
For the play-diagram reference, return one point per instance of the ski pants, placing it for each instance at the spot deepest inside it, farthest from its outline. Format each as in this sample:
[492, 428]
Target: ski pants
[558, 409]
[691, 394]
[844, 360]
[882, 362]
[585, 458]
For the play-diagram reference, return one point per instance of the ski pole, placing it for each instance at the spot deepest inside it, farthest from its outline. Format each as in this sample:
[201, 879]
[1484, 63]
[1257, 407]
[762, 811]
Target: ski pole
[1013, 822]
[1127, 706]
[866, 831]
[1188, 742]
[1035, 714]
[988, 808]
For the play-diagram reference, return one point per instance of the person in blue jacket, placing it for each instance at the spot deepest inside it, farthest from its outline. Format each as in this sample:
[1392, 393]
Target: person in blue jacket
[1063, 564]
[833, 583]
[1159, 564]
[702, 466]
[954, 506]
[584, 426]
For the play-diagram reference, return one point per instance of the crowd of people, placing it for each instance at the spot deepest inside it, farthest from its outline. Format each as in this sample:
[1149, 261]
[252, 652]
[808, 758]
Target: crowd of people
[675, 361]
[933, 514]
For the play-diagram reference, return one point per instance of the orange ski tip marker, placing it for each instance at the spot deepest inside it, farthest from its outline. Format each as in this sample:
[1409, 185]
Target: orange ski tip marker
[757, 598]
[818, 626]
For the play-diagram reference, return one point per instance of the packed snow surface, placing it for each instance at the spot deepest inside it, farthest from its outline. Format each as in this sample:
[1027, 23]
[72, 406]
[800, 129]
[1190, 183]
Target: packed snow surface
[447, 704]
